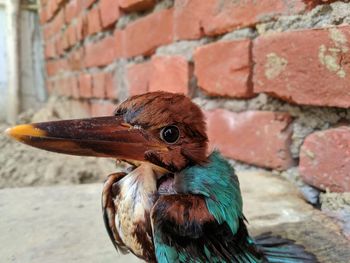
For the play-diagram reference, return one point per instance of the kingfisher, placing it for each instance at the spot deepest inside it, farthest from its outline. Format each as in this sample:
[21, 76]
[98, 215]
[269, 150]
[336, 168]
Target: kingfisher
[177, 202]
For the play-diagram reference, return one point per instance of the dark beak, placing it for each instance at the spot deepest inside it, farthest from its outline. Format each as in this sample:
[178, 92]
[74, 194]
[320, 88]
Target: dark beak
[101, 137]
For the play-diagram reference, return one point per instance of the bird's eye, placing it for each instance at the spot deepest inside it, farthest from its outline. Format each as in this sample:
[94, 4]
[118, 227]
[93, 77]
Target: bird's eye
[170, 134]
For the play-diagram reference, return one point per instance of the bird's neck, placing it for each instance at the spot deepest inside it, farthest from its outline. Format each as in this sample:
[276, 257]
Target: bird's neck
[217, 182]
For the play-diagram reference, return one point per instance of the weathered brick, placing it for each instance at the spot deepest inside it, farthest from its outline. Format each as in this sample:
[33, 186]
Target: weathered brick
[65, 40]
[80, 28]
[139, 77]
[325, 159]
[215, 17]
[255, 137]
[102, 108]
[188, 17]
[57, 23]
[99, 85]
[72, 10]
[56, 66]
[313, 3]
[143, 36]
[76, 59]
[309, 67]
[226, 15]
[73, 82]
[169, 73]
[50, 49]
[89, 3]
[136, 5]
[111, 86]
[109, 12]
[79, 108]
[43, 15]
[72, 35]
[101, 53]
[223, 68]
[93, 21]
[119, 43]
[51, 9]
[85, 85]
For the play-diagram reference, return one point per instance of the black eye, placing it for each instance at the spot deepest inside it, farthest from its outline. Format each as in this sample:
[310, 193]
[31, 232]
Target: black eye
[170, 134]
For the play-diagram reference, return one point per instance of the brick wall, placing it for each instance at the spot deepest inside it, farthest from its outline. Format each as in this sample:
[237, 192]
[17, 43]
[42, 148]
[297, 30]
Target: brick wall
[272, 75]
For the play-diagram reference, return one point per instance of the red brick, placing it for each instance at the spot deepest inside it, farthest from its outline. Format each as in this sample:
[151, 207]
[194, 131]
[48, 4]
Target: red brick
[50, 49]
[73, 82]
[102, 108]
[55, 67]
[313, 3]
[64, 87]
[223, 68]
[309, 67]
[75, 59]
[79, 109]
[99, 85]
[119, 39]
[169, 73]
[72, 10]
[57, 23]
[136, 5]
[51, 9]
[325, 159]
[59, 45]
[139, 77]
[43, 15]
[109, 12]
[143, 36]
[72, 35]
[226, 15]
[101, 53]
[65, 40]
[188, 16]
[111, 86]
[255, 137]
[93, 21]
[85, 85]
[80, 28]
[89, 3]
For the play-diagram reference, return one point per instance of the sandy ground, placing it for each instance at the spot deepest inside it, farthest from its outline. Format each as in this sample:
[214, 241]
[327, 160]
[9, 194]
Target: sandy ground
[64, 223]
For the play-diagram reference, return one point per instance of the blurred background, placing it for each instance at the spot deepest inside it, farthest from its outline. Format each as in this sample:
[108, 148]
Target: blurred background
[271, 76]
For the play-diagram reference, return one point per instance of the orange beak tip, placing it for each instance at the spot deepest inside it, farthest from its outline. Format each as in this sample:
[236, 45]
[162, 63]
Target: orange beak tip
[20, 131]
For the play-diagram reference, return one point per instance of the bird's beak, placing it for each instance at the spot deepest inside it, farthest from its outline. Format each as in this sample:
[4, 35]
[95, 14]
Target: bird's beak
[101, 137]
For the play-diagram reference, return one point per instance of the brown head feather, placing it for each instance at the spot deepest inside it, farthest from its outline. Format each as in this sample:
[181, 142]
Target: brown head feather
[156, 110]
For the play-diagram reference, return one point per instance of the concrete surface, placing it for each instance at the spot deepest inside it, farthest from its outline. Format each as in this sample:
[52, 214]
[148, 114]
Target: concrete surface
[64, 223]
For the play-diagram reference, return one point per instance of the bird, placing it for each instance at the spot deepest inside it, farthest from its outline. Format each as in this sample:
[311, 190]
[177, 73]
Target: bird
[177, 202]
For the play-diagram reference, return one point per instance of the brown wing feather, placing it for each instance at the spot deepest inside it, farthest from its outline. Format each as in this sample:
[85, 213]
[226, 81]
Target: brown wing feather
[183, 215]
[109, 211]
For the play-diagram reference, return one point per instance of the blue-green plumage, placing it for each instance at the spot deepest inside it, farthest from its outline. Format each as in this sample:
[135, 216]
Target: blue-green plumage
[219, 185]
[216, 232]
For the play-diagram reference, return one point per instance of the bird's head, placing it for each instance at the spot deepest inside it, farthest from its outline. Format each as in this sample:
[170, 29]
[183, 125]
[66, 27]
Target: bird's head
[165, 129]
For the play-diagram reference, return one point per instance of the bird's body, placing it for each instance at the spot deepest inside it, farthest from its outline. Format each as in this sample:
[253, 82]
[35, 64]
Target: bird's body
[178, 203]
